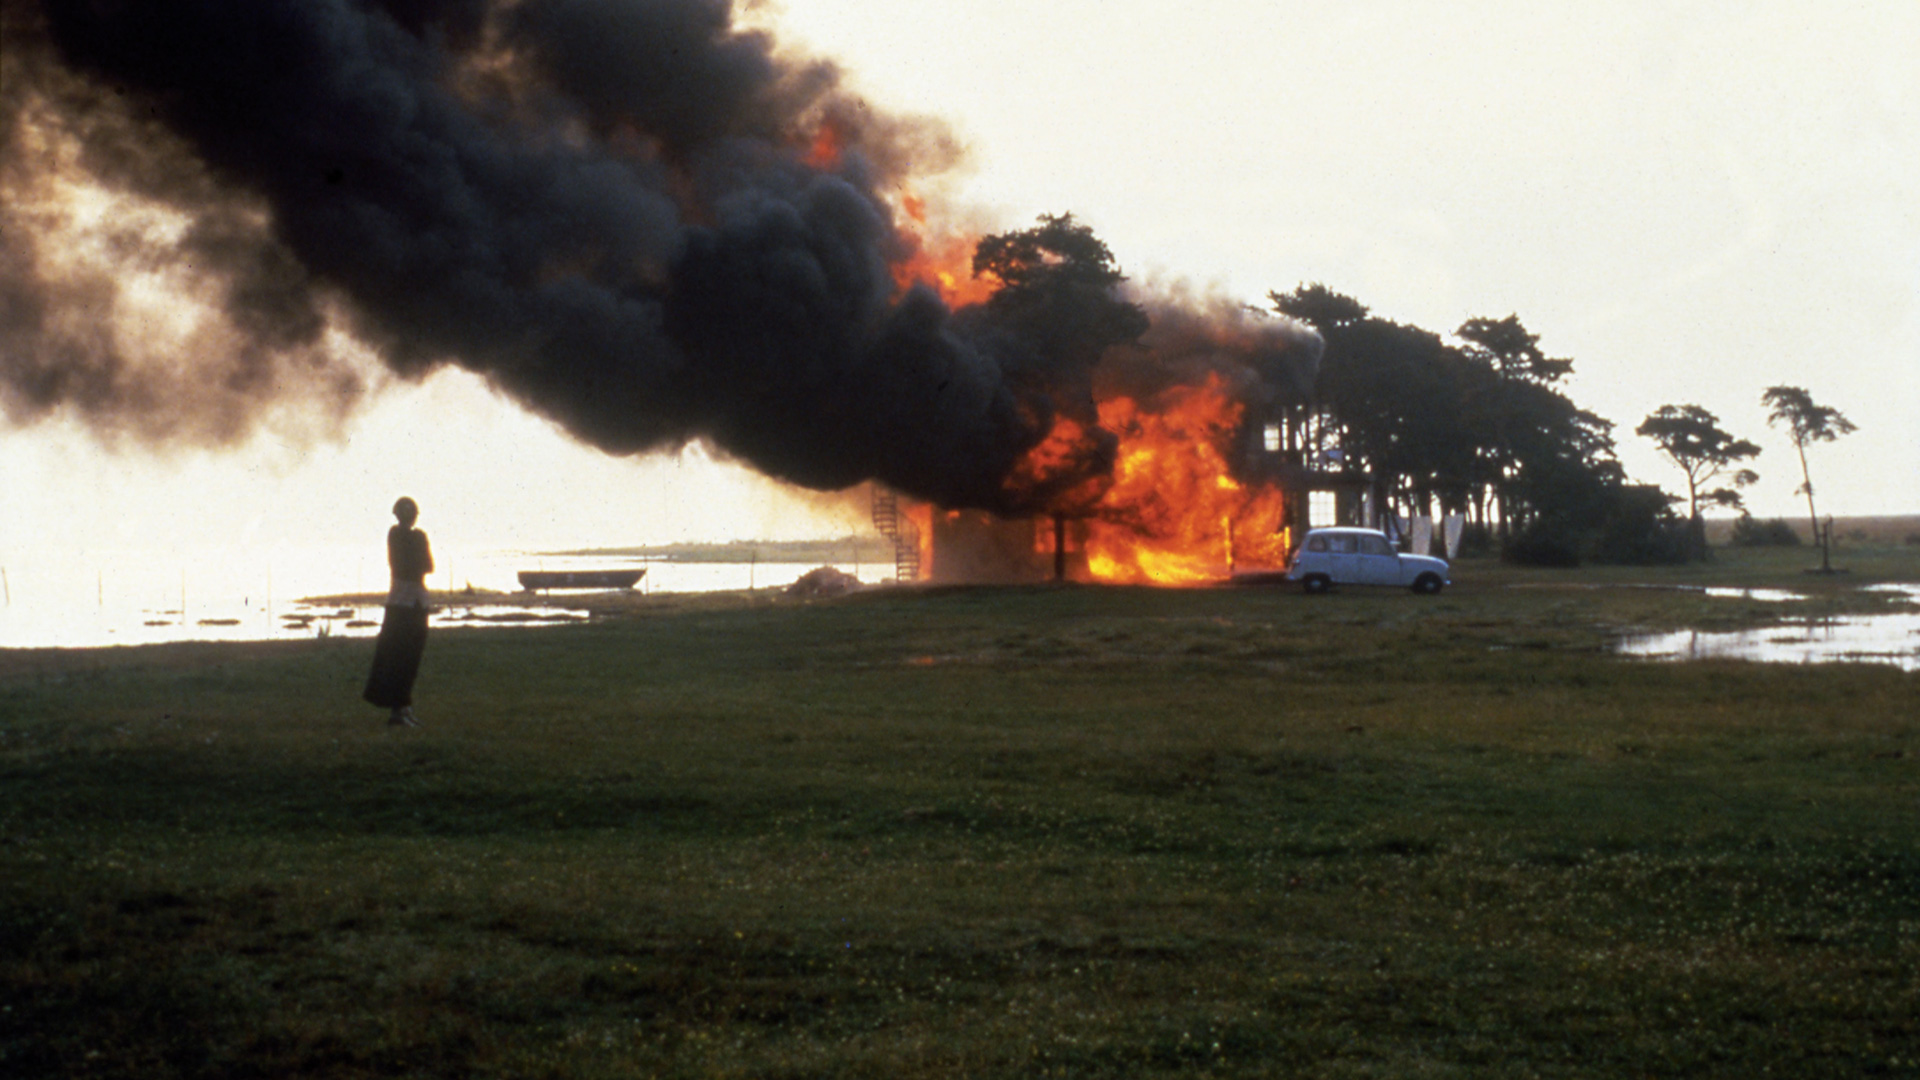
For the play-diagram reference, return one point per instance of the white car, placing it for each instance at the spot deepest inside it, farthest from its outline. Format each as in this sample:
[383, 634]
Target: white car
[1330, 557]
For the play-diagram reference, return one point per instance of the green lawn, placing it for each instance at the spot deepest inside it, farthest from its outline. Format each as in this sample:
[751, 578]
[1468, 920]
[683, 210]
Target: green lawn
[1074, 832]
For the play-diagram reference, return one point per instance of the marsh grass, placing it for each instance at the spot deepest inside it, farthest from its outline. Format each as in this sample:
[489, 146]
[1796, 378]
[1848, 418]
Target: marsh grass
[973, 832]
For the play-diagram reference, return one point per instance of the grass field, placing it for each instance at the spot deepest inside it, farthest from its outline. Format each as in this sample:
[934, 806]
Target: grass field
[1067, 832]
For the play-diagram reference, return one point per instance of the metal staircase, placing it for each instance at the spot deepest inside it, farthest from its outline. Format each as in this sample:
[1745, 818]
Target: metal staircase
[896, 527]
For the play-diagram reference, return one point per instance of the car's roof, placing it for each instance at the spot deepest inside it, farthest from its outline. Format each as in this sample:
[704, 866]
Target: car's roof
[1344, 529]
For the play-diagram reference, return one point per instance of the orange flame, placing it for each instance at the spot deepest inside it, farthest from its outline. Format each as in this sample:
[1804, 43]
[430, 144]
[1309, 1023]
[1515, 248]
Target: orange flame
[1175, 514]
[936, 254]
[1172, 512]
[828, 144]
[921, 514]
[944, 262]
[1054, 453]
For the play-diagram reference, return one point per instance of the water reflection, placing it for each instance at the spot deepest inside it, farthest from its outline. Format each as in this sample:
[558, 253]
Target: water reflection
[1767, 596]
[308, 620]
[1891, 638]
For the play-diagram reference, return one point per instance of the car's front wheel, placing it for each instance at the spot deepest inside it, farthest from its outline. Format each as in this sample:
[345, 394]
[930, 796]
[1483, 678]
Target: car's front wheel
[1427, 584]
[1316, 583]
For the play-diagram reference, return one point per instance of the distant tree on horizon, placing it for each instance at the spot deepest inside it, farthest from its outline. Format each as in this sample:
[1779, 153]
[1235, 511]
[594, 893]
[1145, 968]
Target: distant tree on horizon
[1807, 422]
[1691, 437]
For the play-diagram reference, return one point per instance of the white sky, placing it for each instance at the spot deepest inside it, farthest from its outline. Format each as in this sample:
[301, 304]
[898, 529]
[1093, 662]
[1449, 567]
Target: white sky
[1694, 201]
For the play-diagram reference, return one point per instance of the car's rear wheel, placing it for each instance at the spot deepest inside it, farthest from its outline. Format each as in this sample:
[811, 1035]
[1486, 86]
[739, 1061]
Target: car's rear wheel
[1427, 584]
[1316, 583]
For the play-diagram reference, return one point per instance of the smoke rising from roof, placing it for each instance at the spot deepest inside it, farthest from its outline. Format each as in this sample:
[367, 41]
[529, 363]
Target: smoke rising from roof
[617, 212]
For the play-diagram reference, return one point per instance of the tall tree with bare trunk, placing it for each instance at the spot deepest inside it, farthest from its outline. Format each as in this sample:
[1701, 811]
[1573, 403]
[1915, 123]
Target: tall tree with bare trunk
[1807, 422]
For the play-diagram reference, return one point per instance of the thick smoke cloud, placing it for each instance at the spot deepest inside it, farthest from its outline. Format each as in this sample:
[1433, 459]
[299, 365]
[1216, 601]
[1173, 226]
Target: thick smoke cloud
[1259, 359]
[90, 297]
[614, 211]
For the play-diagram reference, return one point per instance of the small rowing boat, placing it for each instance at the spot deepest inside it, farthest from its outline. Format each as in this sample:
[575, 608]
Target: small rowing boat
[536, 580]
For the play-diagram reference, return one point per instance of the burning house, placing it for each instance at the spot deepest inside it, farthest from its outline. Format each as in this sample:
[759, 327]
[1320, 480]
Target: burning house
[1213, 469]
[1249, 526]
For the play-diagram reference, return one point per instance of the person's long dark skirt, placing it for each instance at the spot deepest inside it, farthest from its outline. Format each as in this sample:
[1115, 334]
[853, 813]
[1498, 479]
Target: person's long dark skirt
[396, 656]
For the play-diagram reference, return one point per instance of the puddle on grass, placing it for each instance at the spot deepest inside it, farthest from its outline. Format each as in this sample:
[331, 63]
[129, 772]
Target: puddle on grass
[1718, 592]
[1767, 596]
[1891, 638]
[365, 621]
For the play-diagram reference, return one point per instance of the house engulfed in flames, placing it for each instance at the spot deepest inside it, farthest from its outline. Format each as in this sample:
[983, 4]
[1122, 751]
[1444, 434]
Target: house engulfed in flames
[1202, 492]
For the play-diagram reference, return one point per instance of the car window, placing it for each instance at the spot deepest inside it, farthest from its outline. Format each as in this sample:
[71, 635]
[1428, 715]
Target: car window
[1342, 544]
[1316, 543]
[1374, 545]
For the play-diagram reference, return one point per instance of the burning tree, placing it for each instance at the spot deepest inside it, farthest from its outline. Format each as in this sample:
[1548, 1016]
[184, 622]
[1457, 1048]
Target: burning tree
[1153, 404]
[1059, 281]
[1058, 289]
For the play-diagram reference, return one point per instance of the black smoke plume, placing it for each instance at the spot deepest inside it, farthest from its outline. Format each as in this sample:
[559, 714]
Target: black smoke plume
[616, 211]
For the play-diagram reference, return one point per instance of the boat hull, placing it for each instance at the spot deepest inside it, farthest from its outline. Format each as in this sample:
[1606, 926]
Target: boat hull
[539, 580]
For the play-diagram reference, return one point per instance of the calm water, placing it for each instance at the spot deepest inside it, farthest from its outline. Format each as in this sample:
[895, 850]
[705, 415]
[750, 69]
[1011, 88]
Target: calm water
[64, 599]
[128, 597]
[1891, 638]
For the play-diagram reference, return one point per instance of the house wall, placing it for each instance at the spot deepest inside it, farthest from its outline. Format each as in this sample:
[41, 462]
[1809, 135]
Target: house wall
[974, 547]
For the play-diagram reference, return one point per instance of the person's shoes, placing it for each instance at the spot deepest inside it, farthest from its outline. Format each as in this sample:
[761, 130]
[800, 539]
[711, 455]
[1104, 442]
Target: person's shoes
[403, 718]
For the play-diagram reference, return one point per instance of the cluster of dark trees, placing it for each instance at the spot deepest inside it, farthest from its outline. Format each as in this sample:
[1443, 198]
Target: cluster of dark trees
[1478, 426]
[1481, 427]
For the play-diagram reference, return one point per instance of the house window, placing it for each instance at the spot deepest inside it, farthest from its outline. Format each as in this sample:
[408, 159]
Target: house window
[1323, 508]
[1270, 438]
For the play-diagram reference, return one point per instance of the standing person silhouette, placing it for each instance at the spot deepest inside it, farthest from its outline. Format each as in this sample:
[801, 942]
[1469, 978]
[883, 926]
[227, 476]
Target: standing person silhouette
[403, 629]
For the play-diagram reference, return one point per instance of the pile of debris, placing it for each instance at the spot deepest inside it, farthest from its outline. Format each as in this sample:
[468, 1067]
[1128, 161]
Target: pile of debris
[824, 581]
